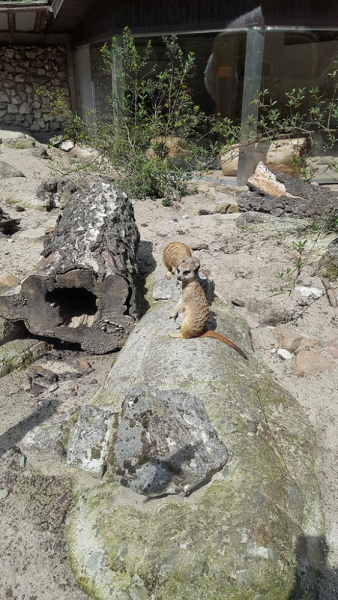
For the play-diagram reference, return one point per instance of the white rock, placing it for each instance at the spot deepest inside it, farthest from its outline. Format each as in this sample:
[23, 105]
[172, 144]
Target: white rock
[306, 292]
[284, 354]
[67, 145]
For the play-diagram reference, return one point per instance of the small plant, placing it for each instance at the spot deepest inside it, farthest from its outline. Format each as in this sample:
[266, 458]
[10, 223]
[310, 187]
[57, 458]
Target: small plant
[331, 223]
[291, 275]
[154, 136]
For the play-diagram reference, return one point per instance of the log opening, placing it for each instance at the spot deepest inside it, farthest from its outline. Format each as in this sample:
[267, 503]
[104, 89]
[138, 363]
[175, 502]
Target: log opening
[76, 306]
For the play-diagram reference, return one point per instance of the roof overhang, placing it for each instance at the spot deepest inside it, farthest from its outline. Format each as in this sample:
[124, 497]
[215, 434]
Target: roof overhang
[24, 17]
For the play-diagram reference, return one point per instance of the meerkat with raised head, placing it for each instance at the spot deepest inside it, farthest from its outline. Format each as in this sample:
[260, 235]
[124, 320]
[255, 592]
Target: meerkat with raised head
[173, 254]
[195, 306]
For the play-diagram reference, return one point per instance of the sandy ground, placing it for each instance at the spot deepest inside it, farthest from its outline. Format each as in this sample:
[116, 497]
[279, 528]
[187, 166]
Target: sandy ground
[244, 265]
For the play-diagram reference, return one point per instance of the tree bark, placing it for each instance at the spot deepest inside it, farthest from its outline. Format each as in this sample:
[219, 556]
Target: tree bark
[83, 289]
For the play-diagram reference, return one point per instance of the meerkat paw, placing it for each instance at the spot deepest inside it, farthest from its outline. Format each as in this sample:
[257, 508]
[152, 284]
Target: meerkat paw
[168, 275]
[176, 335]
[173, 316]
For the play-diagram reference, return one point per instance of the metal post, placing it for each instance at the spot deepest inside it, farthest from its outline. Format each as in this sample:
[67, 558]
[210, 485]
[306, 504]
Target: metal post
[117, 80]
[252, 84]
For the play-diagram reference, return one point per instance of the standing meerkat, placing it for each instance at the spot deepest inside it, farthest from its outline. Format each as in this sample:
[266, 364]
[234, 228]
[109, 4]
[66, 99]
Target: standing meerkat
[173, 254]
[195, 306]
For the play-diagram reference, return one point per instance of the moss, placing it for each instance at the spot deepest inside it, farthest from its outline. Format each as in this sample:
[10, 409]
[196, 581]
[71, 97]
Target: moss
[18, 354]
[235, 538]
[67, 426]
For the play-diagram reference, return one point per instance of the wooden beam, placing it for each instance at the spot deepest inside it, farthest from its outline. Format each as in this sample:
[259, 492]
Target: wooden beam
[56, 5]
[41, 39]
[11, 21]
[40, 21]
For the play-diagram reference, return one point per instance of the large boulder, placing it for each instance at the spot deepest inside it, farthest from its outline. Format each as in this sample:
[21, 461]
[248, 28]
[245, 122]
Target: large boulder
[253, 530]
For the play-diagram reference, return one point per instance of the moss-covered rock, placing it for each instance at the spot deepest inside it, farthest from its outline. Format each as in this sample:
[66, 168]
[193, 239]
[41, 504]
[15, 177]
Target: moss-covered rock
[20, 353]
[254, 532]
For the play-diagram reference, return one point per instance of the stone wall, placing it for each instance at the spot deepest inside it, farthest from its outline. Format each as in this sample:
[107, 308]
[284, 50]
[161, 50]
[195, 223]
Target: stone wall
[24, 69]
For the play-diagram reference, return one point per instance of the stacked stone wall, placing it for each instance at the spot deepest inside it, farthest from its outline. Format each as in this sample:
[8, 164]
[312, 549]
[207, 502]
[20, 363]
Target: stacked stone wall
[24, 69]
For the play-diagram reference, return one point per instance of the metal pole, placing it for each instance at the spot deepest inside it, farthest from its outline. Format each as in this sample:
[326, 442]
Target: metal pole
[252, 84]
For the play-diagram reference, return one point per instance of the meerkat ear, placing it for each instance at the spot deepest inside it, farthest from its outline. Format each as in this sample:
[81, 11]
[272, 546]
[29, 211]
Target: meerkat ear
[196, 263]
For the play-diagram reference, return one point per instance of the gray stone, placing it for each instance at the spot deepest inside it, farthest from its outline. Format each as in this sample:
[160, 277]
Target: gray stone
[10, 330]
[56, 141]
[328, 264]
[34, 127]
[304, 200]
[8, 119]
[20, 78]
[7, 171]
[12, 109]
[88, 440]
[40, 153]
[20, 353]
[50, 437]
[242, 534]
[25, 109]
[165, 443]
[67, 145]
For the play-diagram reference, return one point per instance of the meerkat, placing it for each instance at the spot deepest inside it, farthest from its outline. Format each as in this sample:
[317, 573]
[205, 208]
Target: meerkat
[173, 254]
[195, 306]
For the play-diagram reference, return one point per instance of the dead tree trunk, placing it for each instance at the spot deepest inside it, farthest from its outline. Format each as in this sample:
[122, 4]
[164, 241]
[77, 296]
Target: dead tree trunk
[84, 287]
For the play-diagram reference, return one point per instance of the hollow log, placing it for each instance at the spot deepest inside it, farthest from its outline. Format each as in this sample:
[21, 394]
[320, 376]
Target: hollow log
[83, 289]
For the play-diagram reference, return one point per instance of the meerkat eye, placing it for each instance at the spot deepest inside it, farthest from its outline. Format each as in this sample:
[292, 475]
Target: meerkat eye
[186, 272]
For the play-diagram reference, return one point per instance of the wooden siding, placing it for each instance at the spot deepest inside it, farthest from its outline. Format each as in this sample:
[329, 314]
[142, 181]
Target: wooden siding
[91, 20]
[160, 15]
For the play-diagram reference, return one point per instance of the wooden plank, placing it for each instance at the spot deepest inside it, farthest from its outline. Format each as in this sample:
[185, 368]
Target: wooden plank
[11, 21]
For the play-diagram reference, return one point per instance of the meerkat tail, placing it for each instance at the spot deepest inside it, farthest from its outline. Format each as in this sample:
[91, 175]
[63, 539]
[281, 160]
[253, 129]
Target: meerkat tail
[221, 338]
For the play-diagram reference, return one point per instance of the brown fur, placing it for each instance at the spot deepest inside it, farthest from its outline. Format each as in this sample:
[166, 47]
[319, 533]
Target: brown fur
[173, 254]
[195, 306]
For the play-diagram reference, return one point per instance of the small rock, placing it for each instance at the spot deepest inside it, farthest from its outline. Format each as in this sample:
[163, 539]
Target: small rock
[200, 247]
[56, 141]
[284, 354]
[19, 208]
[41, 153]
[222, 208]
[26, 473]
[237, 302]
[7, 171]
[233, 208]
[38, 370]
[289, 338]
[44, 403]
[67, 146]
[208, 210]
[53, 388]
[306, 292]
[83, 364]
[22, 462]
[37, 389]
[4, 493]
[309, 363]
